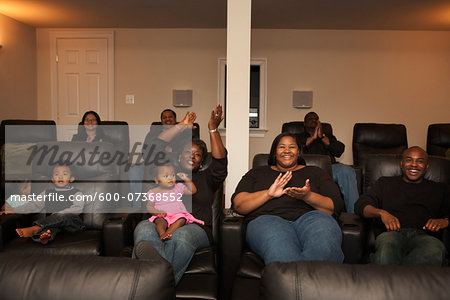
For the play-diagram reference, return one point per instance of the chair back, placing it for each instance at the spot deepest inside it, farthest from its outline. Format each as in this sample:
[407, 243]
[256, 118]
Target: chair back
[438, 139]
[44, 130]
[373, 138]
[19, 139]
[118, 134]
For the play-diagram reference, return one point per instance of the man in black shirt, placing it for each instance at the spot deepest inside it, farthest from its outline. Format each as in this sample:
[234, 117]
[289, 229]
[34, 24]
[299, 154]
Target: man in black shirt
[315, 141]
[410, 208]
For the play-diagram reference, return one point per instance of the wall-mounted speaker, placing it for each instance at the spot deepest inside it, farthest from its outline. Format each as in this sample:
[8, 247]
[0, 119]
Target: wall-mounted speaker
[302, 99]
[182, 98]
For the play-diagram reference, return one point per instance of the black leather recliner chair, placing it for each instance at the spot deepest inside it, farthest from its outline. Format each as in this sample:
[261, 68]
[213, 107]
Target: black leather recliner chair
[373, 138]
[378, 165]
[41, 131]
[92, 178]
[329, 280]
[438, 139]
[42, 277]
[241, 268]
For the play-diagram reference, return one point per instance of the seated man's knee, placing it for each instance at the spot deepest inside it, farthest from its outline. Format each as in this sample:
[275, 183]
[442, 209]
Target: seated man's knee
[389, 239]
[430, 252]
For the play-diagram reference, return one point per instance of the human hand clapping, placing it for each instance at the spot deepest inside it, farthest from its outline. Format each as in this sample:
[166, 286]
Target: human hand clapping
[277, 188]
[299, 193]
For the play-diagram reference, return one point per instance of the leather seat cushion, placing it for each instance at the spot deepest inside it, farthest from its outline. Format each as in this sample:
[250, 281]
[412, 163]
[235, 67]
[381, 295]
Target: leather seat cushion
[88, 242]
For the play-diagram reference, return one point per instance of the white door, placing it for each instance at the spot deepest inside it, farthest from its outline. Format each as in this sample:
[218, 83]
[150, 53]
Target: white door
[82, 81]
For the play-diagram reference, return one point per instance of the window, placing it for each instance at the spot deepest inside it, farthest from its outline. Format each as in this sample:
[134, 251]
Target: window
[257, 109]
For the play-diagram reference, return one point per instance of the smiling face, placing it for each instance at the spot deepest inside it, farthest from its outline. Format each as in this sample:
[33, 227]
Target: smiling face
[166, 177]
[191, 157]
[90, 122]
[168, 118]
[62, 176]
[287, 153]
[414, 164]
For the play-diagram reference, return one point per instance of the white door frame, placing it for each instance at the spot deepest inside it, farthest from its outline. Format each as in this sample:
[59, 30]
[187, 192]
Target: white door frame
[81, 34]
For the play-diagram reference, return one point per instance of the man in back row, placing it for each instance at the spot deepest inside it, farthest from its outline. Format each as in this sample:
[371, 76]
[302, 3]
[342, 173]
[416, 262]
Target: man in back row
[409, 210]
[315, 141]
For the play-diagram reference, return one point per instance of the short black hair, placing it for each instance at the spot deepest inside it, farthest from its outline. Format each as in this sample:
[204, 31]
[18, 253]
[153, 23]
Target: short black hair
[63, 164]
[202, 145]
[272, 161]
[91, 112]
[168, 109]
[310, 113]
[155, 168]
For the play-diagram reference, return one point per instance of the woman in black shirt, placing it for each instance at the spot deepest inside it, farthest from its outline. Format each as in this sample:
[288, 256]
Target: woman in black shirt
[289, 207]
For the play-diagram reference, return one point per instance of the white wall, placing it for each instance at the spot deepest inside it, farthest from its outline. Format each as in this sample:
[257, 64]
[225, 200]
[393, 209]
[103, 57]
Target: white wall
[356, 76]
[17, 70]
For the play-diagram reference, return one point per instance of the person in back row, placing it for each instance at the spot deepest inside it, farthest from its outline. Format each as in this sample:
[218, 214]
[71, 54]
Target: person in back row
[89, 130]
[315, 141]
[409, 210]
[168, 120]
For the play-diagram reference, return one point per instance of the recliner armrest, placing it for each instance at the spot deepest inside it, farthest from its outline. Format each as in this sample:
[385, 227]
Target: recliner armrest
[232, 241]
[353, 237]
[118, 232]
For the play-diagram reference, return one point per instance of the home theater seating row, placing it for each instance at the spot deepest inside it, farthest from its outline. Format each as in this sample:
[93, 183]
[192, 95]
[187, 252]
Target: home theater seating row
[226, 270]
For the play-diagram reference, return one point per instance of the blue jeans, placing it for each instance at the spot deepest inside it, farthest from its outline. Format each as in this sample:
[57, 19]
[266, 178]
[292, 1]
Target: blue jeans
[345, 177]
[313, 236]
[408, 247]
[179, 249]
[56, 223]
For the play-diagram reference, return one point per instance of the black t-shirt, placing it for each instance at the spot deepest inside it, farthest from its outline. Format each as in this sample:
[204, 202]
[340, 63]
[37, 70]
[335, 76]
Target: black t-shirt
[207, 182]
[335, 149]
[261, 178]
[412, 203]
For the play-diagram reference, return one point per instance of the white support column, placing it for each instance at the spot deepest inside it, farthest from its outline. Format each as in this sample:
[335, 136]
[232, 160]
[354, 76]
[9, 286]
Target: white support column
[238, 92]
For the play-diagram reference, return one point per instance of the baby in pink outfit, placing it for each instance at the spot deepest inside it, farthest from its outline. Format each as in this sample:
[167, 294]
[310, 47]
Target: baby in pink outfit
[164, 202]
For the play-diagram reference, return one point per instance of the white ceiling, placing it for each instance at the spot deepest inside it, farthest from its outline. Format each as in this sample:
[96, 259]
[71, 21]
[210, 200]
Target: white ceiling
[295, 14]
